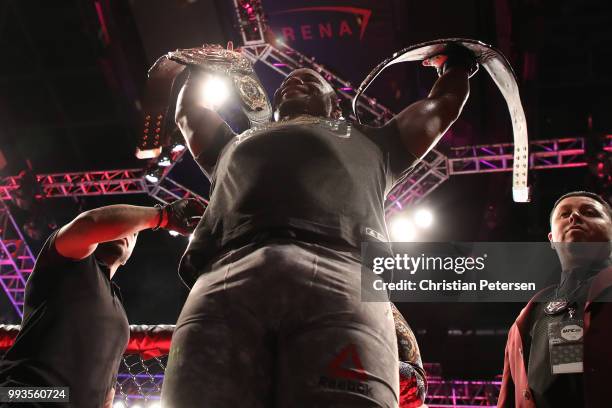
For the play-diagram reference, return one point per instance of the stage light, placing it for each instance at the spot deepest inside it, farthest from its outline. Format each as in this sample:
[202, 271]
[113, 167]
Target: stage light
[423, 218]
[214, 92]
[177, 147]
[402, 230]
[154, 405]
[136, 406]
[152, 178]
[153, 175]
[119, 404]
[173, 233]
[164, 160]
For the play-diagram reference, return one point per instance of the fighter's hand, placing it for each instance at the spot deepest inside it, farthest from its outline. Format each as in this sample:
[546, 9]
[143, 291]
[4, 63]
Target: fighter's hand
[453, 56]
[437, 61]
[183, 215]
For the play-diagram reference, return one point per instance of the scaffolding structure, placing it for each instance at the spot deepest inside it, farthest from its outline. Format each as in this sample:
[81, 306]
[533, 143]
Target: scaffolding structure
[17, 261]
[455, 393]
[434, 169]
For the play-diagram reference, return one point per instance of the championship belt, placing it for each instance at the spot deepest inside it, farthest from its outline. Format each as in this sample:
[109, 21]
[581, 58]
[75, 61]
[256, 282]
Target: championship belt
[498, 67]
[158, 103]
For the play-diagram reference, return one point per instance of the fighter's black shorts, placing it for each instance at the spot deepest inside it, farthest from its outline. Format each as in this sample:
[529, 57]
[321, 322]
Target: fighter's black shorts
[282, 324]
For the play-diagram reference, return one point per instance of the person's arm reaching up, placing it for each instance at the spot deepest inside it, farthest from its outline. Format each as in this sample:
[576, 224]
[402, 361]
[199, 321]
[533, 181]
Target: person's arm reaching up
[422, 124]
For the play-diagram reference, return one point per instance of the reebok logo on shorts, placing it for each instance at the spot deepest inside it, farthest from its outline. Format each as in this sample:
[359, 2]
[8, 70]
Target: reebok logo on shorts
[338, 367]
[346, 372]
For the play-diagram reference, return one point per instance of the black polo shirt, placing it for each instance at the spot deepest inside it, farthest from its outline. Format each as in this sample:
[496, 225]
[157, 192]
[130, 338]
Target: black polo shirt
[74, 329]
[555, 390]
[319, 180]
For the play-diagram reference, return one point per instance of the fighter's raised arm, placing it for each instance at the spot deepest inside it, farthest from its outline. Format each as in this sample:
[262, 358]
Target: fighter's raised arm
[196, 118]
[423, 123]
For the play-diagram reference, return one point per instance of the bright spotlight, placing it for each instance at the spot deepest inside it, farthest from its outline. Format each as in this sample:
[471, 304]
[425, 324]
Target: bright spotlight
[173, 233]
[402, 230]
[177, 147]
[423, 218]
[153, 174]
[152, 178]
[136, 406]
[164, 160]
[154, 405]
[119, 404]
[214, 92]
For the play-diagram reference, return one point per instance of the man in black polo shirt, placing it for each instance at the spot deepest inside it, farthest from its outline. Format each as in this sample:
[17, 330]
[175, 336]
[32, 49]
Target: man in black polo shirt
[274, 317]
[74, 328]
[558, 352]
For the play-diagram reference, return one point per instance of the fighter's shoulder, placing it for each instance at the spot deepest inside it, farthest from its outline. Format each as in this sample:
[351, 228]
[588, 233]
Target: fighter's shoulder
[388, 128]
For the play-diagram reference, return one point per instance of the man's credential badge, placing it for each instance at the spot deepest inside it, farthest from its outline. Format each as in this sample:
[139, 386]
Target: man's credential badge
[502, 74]
[566, 345]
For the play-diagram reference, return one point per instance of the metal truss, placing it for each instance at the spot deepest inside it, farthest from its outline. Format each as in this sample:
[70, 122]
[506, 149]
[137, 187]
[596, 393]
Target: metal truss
[95, 183]
[435, 168]
[441, 394]
[426, 177]
[454, 393]
[545, 154]
[16, 259]
[168, 190]
[87, 183]
[251, 21]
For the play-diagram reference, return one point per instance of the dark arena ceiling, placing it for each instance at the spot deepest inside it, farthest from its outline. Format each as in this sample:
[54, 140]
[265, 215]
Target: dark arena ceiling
[72, 80]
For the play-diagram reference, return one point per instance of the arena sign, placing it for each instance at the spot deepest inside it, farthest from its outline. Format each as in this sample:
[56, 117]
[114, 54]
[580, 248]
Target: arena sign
[322, 23]
[336, 31]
